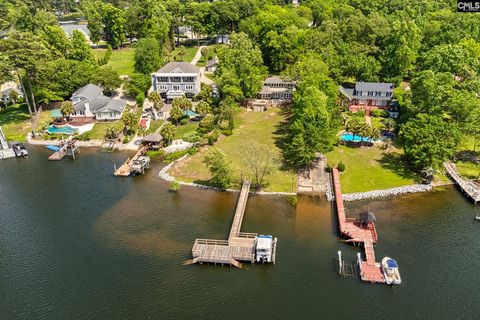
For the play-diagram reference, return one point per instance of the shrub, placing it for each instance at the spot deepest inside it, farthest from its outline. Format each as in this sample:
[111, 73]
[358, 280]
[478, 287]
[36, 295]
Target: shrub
[140, 98]
[184, 121]
[379, 113]
[328, 168]
[156, 153]
[191, 137]
[227, 132]
[341, 166]
[84, 136]
[126, 140]
[292, 200]
[174, 186]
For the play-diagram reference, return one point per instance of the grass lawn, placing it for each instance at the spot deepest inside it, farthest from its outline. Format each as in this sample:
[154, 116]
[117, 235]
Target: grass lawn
[189, 54]
[98, 131]
[468, 169]
[15, 122]
[371, 168]
[203, 62]
[181, 130]
[154, 125]
[122, 60]
[258, 126]
[210, 76]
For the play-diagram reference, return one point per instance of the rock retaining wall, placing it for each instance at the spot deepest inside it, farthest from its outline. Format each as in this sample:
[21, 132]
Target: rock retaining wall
[387, 192]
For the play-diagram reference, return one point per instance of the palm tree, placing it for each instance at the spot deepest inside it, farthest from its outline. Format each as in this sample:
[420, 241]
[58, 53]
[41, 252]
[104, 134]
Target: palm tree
[353, 125]
[67, 109]
[203, 107]
[110, 132]
[389, 124]
[364, 131]
[129, 120]
[204, 52]
[168, 132]
[156, 99]
[176, 113]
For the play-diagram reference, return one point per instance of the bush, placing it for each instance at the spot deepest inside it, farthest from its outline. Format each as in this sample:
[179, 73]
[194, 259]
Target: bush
[227, 132]
[183, 121]
[213, 137]
[329, 167]
[140, 98]
[156, 153]
[341, 166]
[174, 186]
[292, 200]
[84, 136]
[191, 137]
[379, 113]
[126, 140]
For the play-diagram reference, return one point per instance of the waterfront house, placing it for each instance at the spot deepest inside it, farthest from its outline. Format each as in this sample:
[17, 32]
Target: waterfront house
[177, 79]
[368, 95]
[212, 65]
[5, 93]
[90, 102]
[276, 88]
[69, 26]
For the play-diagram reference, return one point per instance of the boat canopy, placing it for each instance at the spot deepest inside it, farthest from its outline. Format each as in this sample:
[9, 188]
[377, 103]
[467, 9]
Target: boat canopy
[392, 263]
[367, 217]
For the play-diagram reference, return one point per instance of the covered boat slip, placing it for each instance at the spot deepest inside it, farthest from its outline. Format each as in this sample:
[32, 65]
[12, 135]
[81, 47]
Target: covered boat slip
[240, 246]
[136, 165]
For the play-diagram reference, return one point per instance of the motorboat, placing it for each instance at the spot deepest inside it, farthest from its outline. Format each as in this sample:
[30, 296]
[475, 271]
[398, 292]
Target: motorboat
[20, 149]
[390, 271]
[264, 249]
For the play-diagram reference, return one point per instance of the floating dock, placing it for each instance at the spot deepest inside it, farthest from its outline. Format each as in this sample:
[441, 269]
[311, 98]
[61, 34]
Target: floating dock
[67, 147]
[356, 232]
[240, 246]
[469, 187]
[134, 166]
[5, 151]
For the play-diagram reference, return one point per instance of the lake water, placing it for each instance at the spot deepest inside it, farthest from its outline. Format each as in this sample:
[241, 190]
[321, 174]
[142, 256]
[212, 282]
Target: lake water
[78, 243]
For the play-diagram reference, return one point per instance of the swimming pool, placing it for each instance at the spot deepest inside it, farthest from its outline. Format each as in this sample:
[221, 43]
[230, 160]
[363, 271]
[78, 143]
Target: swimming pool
[61, 130]
[357, 138]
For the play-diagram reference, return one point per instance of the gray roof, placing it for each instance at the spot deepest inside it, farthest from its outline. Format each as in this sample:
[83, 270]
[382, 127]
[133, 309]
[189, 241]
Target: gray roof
[179, 67]
[374, 86]
[346, 92]
[277, 79]
[96, 100]
[90, 91]
[213, 62]
[7, 91]
[68, 28]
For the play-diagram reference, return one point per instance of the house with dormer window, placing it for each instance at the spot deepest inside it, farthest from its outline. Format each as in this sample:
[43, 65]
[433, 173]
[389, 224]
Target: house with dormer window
[368, 95]
[177, 79]
[90, 102]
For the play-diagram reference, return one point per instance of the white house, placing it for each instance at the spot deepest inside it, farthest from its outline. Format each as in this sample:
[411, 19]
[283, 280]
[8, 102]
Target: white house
[8, 87]
[176, 79]
[89, 101]
[277, 88]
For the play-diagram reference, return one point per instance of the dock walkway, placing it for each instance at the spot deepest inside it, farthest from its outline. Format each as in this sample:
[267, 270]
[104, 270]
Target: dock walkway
[66, 148]
[469, 187]
[370, 270]
[240, 246]
[137, 164]
[5, 151]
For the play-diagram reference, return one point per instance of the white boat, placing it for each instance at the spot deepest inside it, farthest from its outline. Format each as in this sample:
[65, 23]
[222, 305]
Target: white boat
[264, 249]
[390, 271]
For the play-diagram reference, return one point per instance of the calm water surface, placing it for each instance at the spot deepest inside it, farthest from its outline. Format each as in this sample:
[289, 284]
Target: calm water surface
[78, 243]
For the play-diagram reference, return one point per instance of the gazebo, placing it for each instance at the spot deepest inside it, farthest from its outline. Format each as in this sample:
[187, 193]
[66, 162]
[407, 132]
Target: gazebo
[153, 140]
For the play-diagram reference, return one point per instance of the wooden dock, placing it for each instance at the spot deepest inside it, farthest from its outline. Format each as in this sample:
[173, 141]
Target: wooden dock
[356, 232]
[5, 151]
[136, 164]
[469, 187]
[240, 246]
[67, 147]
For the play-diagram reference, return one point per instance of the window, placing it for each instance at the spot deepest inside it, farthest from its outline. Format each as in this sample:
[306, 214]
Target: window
[175, 79]
[176, 88]
[162, 87]
[189, 88]
[162, 79]
[188, 79]
[82, 113]
[370, 93]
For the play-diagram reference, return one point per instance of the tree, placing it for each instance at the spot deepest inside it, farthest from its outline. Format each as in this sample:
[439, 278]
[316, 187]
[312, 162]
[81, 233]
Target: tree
[241, 68]
[176, 113]
[92, 11]
[206, 93]
[204, 52]
[57, 41]
[147, 56]
[220, 170]
[354, 125]
[181, 52]
[81, 50]
[111, 133]
[156, 99]
[388, 123]
[428, 140]
[168, 132]
[226, 112]
[137, 83]
[148, 19]
[107, 78]
[129, 120]
[203, 107]
[183, 103]
[311, 129]
[260, 160]
[67, 109]
[13, 96]
[114, 21]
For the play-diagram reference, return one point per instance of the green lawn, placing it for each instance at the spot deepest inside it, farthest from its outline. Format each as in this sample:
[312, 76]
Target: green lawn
[371, 168]
[189, 54]
[122, 60]
[15, 122]
[211, 53]
[154, 125]
[98, 131]
[468, 169]
[253, 126]
[182, 130]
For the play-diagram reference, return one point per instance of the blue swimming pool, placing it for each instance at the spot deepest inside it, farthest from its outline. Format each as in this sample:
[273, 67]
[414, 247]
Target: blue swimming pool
[61, 130]
[357, 138]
